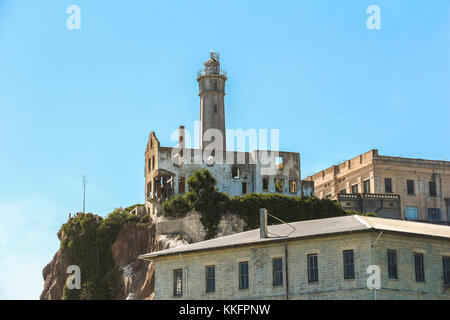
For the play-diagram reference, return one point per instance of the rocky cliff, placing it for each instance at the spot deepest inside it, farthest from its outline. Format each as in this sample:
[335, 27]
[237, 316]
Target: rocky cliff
[135, 278]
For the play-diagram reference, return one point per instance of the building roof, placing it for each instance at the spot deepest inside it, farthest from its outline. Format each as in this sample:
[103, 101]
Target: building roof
[309, 228]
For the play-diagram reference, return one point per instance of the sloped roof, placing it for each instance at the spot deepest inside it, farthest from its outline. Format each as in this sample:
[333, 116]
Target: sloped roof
[309, 228]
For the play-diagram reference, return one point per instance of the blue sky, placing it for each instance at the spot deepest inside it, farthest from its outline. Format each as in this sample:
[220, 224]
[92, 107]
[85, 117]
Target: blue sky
[76, 102]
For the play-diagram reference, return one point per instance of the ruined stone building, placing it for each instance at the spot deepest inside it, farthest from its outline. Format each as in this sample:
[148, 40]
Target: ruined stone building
[168, 168]
[392, 187]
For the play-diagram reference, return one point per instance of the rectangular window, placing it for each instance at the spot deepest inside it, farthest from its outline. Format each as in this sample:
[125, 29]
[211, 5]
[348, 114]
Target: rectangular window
[265, 184]
[178, 282]
[313, 269]
[410, 186]
[411, 213]
[355, 189]
[432, 187]
[149, 189]
[181, 185]
[243, 275]
[387, 185]
[392, 264]
[279, 185]
[277, 267]
[149, 165]
[210, 278]
[235, 172]
[349, 264]
[343, 191]
[434, 214]
[367, 186]
[446, 269]
[418, 266]
[244, 187]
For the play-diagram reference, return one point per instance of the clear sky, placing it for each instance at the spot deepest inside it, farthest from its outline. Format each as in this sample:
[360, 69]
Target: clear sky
[84, 101]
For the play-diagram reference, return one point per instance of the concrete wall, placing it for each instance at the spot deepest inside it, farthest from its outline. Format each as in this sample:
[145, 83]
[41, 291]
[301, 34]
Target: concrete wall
[331, 283]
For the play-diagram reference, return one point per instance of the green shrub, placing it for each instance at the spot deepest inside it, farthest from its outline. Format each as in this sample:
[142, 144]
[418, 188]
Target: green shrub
[176, 207]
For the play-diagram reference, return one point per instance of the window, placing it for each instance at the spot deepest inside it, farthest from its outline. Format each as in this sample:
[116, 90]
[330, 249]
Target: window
[328, 196]
[244, 187]
[411, 213]
[313, 269]
[181, 185]
[432, 187]
[149, 189]
[279, 184]
[277, 267]
[215, 84]
[292, 186]
[343, 191]
[446, 269]
[410, 186]
[279, 163]
[392, 264]
[434, 214]
[235, 172]
[265, 184]
[387, 185]
[349, 265]
[178, 282]
[215, 109]
[149, 164]
[243, 275]
[366, 185]
[153, 162]
[355, 188]
[418, 266]
[210, 278]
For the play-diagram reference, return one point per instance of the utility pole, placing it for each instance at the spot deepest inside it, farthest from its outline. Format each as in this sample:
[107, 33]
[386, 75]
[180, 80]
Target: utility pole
[84, 182]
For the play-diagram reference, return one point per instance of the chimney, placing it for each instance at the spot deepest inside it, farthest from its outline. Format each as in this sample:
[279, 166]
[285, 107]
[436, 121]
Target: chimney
[263, 223]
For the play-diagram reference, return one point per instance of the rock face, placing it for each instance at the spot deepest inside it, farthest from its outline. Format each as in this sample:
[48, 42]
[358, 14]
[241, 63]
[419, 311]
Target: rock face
[137, 276]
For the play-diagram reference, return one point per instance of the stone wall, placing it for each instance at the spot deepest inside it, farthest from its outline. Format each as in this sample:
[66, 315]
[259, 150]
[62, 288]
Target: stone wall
[192, 229]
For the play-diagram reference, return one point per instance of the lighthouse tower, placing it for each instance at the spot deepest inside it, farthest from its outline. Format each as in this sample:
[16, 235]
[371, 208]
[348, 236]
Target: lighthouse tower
[211, 81]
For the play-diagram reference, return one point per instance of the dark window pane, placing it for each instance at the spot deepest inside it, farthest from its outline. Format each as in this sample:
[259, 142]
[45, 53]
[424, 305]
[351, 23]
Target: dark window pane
[418, 266]
[243, 275]
[265, 184]
[349, 265]
[410, 186]
[210, 278]
[355, 188]
[434, 214]
[432, 187]
[387, 185]
[178, 282]
[392, 264]
[277, 271]
[367, 186]
[313, 270]
[446, 269]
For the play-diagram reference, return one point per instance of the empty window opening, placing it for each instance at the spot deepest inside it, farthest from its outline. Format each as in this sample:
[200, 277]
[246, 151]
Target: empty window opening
[265, 184]
[279, 162]
[432, 187]
[292, 186]
[279, 184]
[244, 187]
[235, 172]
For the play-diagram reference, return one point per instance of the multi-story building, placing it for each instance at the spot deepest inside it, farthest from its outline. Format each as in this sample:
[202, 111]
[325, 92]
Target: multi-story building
[168, 168]
[350, 257]
[395, 187]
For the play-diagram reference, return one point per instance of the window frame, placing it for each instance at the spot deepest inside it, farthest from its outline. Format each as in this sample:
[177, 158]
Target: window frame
[347, 265]
[419, 267]
[244, 282]
[392, 265]
[366, 186]
[386, 189]
[357, 189]
[410, 188]
[210, 284]
[434, 189]
[313, 268]
[277, 274]
[446, 270]
[177, 291]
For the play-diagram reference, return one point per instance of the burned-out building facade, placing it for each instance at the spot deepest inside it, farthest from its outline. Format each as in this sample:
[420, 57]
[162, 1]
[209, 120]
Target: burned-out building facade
[167, 169]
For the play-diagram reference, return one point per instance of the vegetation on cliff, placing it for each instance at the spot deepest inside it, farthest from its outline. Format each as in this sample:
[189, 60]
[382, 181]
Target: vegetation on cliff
[86, 239]
[204, 197]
